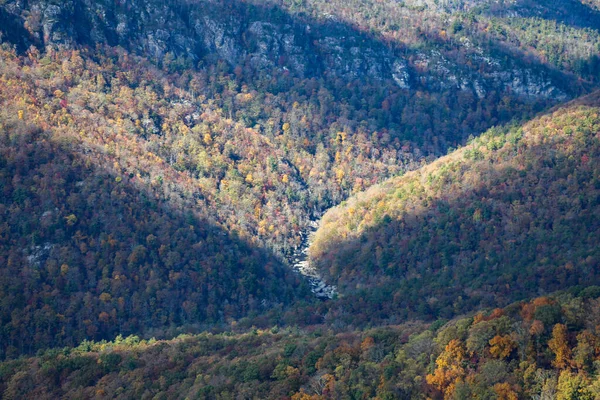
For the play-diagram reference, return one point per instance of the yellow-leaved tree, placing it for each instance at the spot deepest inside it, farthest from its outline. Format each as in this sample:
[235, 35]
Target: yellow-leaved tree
[559, 345]
[450, 368]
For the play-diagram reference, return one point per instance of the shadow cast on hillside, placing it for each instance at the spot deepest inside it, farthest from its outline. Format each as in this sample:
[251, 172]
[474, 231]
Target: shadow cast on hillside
[94, 253]
[176, 266]
[508, 231]
[12, 31]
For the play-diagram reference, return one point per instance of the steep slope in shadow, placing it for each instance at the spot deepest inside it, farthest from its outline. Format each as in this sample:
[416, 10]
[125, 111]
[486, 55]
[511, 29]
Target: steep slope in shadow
[512, 215]
[87, 253]
[12, 31]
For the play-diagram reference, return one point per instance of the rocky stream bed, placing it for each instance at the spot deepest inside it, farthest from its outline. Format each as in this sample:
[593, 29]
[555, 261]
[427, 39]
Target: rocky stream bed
[300, 262]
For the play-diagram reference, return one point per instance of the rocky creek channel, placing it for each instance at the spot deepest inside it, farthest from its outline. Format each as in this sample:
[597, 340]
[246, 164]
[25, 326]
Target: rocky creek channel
[300, 262]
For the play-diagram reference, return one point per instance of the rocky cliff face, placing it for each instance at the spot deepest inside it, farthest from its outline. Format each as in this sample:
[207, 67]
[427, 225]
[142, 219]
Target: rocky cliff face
[266, 37]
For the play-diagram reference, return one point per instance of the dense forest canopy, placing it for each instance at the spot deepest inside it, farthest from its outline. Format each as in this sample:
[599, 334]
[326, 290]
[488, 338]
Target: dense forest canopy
[163, 163]
[514, 213]
[544, 348]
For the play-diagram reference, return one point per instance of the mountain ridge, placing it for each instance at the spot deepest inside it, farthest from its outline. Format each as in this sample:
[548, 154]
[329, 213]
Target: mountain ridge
[240, 32]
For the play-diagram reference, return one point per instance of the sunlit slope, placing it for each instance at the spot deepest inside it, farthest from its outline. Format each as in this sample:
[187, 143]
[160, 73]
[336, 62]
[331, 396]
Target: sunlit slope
[514, 213]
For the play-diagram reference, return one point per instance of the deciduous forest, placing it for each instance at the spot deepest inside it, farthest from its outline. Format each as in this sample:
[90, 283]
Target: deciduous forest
[166, 166]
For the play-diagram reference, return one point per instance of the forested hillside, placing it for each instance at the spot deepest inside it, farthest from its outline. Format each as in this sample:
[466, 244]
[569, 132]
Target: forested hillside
[89, 252]
[513, 214]
[160, 162]
[333, 97]
[545, 348]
